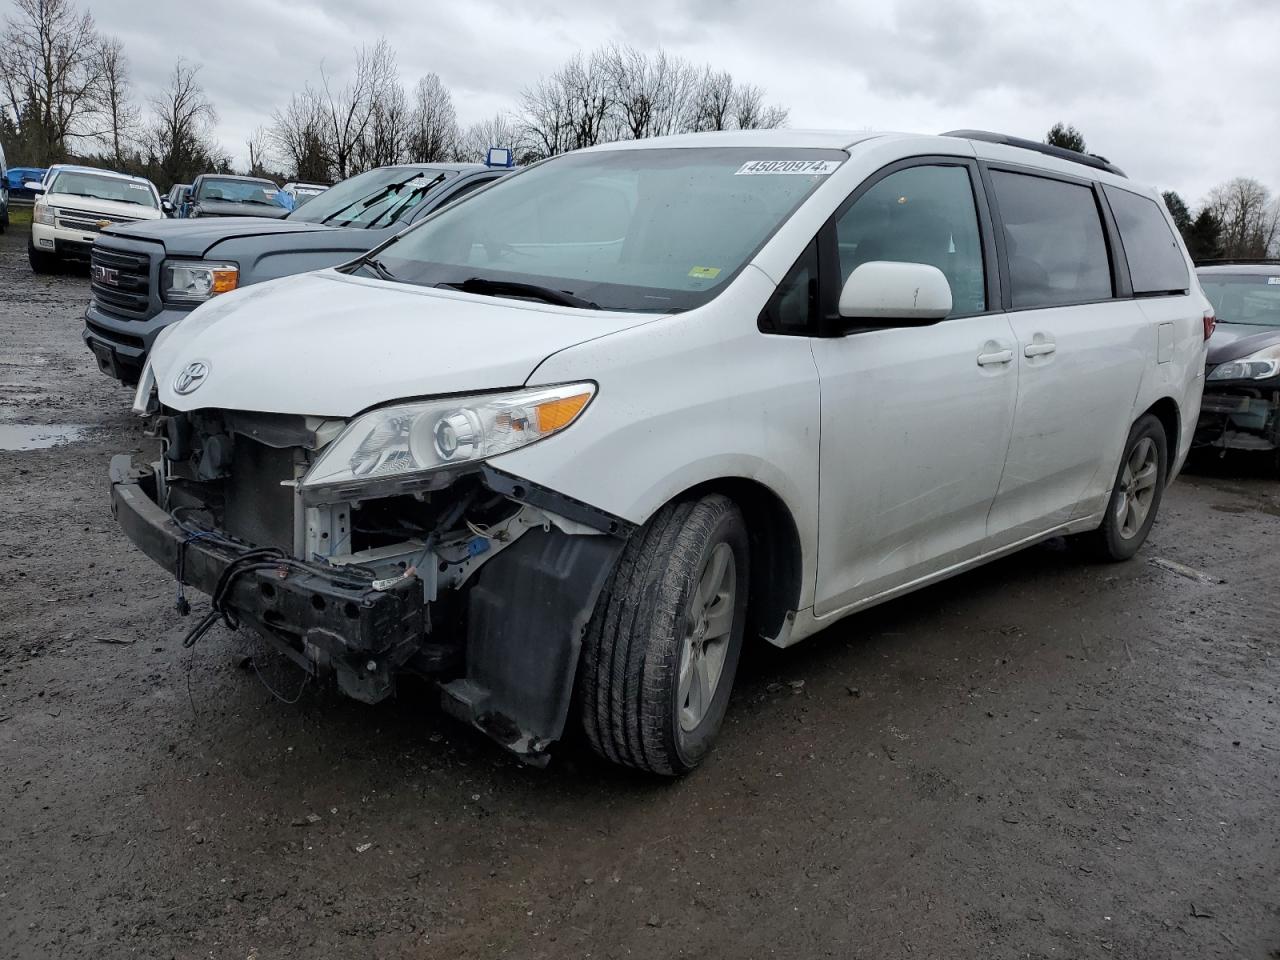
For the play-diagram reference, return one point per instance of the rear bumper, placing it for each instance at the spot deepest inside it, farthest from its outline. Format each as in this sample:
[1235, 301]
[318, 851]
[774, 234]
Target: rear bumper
[365, 635]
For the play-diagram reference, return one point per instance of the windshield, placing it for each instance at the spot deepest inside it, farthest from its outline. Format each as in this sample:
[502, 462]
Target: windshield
[237, 191]
[376, 198]
[632, 229]
[98, 187]
[1244, 298]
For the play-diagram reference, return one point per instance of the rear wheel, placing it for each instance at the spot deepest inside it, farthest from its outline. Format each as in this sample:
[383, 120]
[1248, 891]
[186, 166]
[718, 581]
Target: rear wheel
[1136, 495]
[41, 262]
[663, 644]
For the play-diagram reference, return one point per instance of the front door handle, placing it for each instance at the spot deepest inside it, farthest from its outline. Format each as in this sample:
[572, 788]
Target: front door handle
[1038, 349]
[995, 357]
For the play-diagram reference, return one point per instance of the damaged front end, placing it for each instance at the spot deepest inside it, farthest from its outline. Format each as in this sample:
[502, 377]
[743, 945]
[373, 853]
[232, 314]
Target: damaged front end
[1240, 409]
[1239, 416]
[363, 567]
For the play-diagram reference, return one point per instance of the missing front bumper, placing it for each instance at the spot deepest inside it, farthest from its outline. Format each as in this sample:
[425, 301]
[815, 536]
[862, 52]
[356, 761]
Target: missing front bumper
[366, 635]
[1240, 415]
[511, 669]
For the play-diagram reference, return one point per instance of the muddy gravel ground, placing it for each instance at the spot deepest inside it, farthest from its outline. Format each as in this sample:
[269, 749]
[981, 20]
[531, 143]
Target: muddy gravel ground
[1045, 758]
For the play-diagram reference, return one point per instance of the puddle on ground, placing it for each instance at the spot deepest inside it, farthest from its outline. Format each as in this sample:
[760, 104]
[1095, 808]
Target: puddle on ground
[23, 436]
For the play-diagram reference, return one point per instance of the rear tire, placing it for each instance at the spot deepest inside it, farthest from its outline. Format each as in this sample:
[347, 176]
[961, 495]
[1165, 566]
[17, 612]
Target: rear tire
[664, 641]
[41, 262]
[1136, 494]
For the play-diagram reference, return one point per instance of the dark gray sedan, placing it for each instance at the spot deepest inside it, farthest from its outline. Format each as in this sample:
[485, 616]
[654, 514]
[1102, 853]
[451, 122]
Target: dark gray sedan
[1241, 405]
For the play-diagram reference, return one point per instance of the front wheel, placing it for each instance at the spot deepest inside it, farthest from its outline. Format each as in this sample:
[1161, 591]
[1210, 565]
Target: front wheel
[1135, 498]
[664, 641]
[41, 262]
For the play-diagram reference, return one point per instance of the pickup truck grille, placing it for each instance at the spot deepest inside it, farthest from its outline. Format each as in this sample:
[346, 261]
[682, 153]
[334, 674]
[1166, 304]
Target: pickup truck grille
[88, 221]
[121, 281]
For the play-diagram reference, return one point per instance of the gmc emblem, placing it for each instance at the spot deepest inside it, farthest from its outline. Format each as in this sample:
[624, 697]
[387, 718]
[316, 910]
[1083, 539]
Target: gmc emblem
[106, 275]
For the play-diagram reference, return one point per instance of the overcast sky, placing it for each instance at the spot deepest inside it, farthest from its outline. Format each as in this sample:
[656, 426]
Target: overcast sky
[1180, 93]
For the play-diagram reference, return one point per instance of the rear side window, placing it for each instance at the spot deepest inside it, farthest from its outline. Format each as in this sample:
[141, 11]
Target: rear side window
[1156, 265]
[1054, 240]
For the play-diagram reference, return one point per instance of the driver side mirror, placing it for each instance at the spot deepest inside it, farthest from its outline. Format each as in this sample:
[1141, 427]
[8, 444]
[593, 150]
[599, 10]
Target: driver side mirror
[882, 293]
[35, 186]
[166, 205]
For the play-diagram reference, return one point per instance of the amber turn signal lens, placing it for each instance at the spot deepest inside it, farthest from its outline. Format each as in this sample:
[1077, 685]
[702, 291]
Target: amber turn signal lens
[224, 281]
[554, 414]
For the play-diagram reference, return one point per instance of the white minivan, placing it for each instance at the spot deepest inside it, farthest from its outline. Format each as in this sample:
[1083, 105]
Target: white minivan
[561, 448]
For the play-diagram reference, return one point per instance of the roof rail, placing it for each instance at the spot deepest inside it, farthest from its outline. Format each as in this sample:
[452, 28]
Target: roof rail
[1239, 261]
[1062, 153]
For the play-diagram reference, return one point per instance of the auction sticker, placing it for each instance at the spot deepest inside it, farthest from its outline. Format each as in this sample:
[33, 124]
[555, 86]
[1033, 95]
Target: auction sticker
[1274, 280]
[802, 167]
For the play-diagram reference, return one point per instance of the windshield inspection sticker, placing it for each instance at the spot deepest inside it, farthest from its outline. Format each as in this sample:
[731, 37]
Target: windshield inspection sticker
[1274, 280]
[704, 273]
[803, 167]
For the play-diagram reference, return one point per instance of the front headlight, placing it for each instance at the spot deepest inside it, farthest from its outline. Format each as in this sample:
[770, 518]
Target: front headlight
[413, 438]
[191, 282]
[1262, 365]
[42, 213]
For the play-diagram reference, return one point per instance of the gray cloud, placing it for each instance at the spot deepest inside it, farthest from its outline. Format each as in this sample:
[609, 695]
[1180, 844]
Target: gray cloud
[1179, 92]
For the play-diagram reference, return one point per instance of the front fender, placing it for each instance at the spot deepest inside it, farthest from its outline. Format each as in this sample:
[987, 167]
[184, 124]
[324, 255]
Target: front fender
[683, 401]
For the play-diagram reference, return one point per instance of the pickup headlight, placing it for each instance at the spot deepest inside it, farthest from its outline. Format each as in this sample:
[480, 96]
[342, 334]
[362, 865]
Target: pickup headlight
[42, 213]
[417, 437]
[1262, 365]
[191, 282]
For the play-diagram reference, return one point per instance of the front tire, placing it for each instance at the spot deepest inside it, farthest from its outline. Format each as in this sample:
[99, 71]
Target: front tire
[1136, 494]
[664, 641]
[41, 262]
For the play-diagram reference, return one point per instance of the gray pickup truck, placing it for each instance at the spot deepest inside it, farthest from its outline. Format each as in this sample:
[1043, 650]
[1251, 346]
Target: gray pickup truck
[225, 195]
[145, 276]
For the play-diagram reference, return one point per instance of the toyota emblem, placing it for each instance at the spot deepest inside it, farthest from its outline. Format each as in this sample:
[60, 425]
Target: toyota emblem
[192, 375]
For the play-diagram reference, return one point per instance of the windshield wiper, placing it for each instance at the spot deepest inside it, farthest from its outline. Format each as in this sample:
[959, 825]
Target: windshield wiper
[95, 196]
[524, 291]
[365, 204]
[378, 268]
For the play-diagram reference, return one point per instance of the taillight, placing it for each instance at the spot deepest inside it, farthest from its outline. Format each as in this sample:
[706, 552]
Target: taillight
[1210, 321]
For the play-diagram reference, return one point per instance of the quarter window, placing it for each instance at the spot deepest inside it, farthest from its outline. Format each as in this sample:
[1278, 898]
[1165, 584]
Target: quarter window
[922, 214]
[1054, 240]
[794, 306]
[1156, 264]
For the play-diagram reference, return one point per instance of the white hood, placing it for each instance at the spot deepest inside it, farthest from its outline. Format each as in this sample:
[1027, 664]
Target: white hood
[327, 344]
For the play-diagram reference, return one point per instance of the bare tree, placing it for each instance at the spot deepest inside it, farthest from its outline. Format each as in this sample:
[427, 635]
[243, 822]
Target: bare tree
[347, 112]
[386, 139]
[179, 139]
[651, 93]
[120, 114]
[751, 113]
[1249, 218]
[714, 102]
[51, 73]
[433, 125]
[297, 135]
[259, 149]
[571, 108]
[498, 131]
